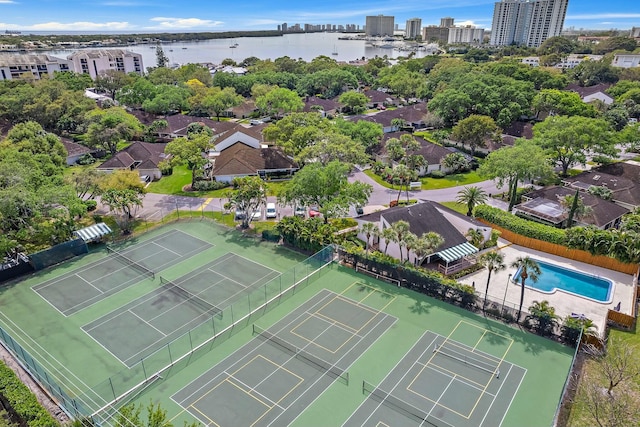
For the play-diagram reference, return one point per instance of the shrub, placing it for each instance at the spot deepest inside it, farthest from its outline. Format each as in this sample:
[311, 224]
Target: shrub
[91, 205]
[271, 235]
[521, 226]
[437, 174]
[404, 202]
[22, 402]
[86, 159]
[206, 185]
[97, 218]
[165, 168]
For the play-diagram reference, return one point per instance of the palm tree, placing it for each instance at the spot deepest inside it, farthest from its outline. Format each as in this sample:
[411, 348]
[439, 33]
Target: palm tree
[492, 261]
[543, 316]
[410, 242]
[472, 196]
[426, 244]
[528, 269]
[575, 208]
[389, 235]
[368, 228]
[475, 237]
[400, 228]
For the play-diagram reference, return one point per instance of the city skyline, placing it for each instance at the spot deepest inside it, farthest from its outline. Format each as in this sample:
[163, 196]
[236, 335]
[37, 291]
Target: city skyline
[164, 16]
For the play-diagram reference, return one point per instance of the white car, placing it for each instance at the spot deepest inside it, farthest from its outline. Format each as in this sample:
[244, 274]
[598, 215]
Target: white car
[271, 211]
[256, 215]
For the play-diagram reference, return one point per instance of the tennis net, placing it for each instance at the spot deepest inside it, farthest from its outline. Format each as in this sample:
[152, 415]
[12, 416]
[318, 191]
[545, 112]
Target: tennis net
[191, 297]
[301, 354]
[128, 261]
[402, 407]
[468, 360]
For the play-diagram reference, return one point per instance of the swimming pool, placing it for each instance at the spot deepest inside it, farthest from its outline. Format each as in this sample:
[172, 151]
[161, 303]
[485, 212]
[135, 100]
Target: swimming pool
[574, 282]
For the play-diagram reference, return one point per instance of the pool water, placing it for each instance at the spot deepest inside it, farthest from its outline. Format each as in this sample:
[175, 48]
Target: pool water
[585, 285]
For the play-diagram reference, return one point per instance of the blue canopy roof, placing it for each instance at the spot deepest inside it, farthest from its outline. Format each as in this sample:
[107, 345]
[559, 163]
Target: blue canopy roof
[93, 232]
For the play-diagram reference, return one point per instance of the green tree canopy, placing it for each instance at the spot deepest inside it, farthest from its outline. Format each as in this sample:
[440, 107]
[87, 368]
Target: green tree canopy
[109, 127]
[561, 102]
[249, 193]
[475, 130]
[190, 151]
[280, 101]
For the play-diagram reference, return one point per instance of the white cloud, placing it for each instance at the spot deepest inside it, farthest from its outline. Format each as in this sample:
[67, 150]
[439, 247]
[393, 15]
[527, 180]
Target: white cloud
[465, 23]
[6, 1]
[171, 23]
[72, 26]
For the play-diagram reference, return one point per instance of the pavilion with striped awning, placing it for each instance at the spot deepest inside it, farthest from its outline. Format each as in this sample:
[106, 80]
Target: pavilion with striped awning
[93, 233]
[457, 252]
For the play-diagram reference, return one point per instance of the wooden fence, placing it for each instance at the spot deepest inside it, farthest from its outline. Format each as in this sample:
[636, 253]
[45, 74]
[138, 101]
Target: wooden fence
[621, 319]
[563, 251]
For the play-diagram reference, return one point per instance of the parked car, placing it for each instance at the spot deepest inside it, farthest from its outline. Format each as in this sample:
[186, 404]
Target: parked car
[240, 215]
[300, 211]
[256, 215]
[271, 211]
[314, 211]
[254, 122]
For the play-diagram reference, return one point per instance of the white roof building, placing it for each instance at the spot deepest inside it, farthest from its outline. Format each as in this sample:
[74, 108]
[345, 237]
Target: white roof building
[97, 61]
[14, 66]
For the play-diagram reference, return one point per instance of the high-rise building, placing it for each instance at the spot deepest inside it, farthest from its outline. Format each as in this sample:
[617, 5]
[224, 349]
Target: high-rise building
[435, 34]
[380, 25]
[446, 22]
[413, 28]
[527, 22]
[465, 35]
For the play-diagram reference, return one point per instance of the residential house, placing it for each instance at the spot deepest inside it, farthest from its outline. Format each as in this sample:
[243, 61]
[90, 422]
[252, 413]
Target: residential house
[378, 99]
[324, 106]
[592, 93]
[75, 150]
[546, 206]
[568, 63]
[178, 124]
[433, 153]
[453, 255]
[622, 178]
[412, 115]
[240, 153]
[626, 60]
[515, 130]
[143, 157]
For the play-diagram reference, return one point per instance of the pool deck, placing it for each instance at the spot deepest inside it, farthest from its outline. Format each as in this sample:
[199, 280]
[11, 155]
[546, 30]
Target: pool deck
[564, 303]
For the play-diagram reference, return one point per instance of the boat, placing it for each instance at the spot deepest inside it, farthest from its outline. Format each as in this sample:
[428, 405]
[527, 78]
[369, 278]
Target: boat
[335, 51]
[233, 46]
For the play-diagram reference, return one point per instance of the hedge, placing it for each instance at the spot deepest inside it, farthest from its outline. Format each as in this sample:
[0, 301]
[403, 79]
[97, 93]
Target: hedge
[22, 402]
[521, 226]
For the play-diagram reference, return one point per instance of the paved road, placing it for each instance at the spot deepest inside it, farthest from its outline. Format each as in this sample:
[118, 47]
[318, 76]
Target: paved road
[160, 204]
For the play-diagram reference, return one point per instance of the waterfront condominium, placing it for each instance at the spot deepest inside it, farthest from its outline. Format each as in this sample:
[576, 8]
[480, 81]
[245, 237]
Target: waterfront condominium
[527, 22]
[413, 28]
[379, 25]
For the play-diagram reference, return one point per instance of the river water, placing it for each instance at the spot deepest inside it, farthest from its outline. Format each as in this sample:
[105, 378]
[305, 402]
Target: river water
[297, 46]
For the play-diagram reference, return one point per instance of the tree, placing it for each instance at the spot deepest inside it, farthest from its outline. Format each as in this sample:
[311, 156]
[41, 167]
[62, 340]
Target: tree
[561, 102]
[367, 133]
[590, 73]
[492, 261]
[575, 208]
[112, 81]
[475, 237]
[369, 229]
[124, 204]
[456, 162]
[250, 192]
[29, 137]
[327, 188]
[510, 165]
[168, 99]
[558, 45]
[401, 230]
[279, 102]
[528, 269]
[333, 146]
[568, 140]
[472, 196]
[426, 245]
[190, 151]
[403, 176]
[475, 130]
[221, 100]
[355, 102]
[389, 235]
[162, 61]
[109, 127]
[619, 364]
[543, 316]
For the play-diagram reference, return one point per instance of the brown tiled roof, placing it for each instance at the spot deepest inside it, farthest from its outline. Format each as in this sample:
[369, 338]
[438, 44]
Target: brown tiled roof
[143, 117]
[412, 114]
[178, 123]
[240, 159]
[588, 90]
[326, 104]
[377, 96]
[432, 153]
[148, 155]
[623, 178]
[602, 211]
[73, 148]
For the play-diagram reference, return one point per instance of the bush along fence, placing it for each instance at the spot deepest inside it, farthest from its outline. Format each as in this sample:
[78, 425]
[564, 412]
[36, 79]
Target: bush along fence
[434, 284]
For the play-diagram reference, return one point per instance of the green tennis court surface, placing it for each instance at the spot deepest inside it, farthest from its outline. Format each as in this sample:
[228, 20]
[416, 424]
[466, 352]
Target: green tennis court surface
[175, 307]
[442, 382]
[85, 286]
[273, 378]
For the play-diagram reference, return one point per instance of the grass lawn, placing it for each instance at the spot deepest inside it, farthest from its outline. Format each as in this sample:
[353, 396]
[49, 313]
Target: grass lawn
[434, 183]
[458, 207]
[173, 184]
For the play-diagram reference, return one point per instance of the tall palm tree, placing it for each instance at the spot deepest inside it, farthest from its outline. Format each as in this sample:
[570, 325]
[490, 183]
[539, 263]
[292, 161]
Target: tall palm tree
[410, 242]
[400, 228]
[426, 244]
[529, 269]
[368, 228]
[543, 316]
[389, 235]
[472, 196]
[492, 261]
[475, 237]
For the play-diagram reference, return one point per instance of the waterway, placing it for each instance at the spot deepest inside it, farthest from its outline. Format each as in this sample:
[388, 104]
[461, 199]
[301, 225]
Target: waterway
[297, 46]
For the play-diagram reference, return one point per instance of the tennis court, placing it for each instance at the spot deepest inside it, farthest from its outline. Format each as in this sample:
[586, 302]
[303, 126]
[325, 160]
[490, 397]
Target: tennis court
[176, 306]
[94, 282]
[283, 369]
[444, 382]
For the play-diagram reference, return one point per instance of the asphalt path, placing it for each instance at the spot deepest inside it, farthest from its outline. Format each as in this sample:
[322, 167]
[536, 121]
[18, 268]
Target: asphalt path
[161, 204]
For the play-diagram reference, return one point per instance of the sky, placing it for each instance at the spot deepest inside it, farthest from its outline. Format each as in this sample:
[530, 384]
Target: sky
[218, 15]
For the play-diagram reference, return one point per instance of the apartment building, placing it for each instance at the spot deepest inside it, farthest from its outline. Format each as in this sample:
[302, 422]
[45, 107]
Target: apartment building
[413, 28]
[527, 22]
[379, 25]
[22, 66]
[465, 35]
[96, 61]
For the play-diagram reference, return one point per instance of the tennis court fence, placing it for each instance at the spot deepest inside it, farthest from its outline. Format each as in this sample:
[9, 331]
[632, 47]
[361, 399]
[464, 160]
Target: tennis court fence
[302, 354]
[402, 407]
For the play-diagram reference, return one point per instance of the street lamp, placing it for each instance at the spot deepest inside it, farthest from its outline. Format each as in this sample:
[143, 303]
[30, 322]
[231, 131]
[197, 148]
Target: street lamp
[505, 293]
